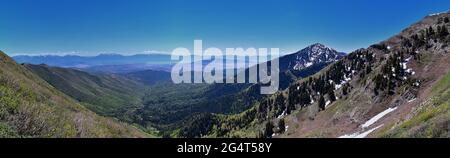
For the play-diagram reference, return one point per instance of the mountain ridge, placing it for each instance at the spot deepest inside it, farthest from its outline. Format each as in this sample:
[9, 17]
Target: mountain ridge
[380, 91]
[29, 107]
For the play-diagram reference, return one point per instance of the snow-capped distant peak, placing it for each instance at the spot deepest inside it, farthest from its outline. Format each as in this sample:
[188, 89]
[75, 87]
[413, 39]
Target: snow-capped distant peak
[434, 14]
[314, 54]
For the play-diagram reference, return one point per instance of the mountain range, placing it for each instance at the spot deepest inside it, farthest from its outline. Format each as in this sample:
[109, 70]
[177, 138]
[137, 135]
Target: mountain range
[149, 99]
[399, 87]
[30, 107]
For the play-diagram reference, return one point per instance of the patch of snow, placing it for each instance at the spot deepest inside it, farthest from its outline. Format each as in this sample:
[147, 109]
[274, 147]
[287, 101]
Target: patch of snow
[434, 14]
[327, 103]
[408, 70]
[347, 78]
[388, 47]
[377, 117]
[337, 86]
[282, 114]
[360, 135]
[409, 101]
[408, 59]
[404, 65]
[308, 64]
[298, 87]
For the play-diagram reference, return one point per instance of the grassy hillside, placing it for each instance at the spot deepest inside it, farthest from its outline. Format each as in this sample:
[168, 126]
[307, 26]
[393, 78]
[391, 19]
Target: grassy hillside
[29, 107]
[103, 94]
[432, 119]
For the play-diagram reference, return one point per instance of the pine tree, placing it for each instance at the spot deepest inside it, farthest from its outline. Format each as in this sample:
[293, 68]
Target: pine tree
[368, 69]
[430, 31]
[391, 87]
[446, 20]
[260, 134]
[268, 131]
[281, 125]
[345, 89]
[331, 95]
[443, 32]
[321, 103]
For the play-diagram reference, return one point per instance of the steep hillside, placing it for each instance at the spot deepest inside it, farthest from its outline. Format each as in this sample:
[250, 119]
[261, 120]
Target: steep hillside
[150, 77]
[243, 96]
[29, 107]
[397, 88]
[102, 93]
[170, 106]
[388, 89]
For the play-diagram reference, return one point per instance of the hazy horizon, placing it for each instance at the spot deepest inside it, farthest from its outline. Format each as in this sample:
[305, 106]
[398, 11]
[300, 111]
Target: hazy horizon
[90, 28]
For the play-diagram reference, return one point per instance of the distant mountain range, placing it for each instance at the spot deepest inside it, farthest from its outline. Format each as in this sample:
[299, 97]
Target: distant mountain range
[148, 98]
[399, 87]
[116, 63]
[110, 63]
[99, 60]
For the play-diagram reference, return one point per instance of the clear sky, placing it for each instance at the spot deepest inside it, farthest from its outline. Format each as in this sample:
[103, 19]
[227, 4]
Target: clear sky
[90, 27]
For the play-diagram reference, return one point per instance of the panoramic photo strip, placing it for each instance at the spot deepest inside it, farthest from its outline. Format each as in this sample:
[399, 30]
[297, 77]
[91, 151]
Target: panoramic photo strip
[263, 75]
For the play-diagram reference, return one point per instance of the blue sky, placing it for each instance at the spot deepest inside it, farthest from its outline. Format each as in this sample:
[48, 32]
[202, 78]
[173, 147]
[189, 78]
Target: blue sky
[88, 27]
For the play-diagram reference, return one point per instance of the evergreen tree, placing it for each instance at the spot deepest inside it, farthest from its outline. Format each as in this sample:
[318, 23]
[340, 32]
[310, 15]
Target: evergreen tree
[391, 87]
[260, 134]
[268, 131]
[443, 32]
[321, 103]
[368, 69]
[281, 125]
[345, 89]
[430, 32]
[331, 95]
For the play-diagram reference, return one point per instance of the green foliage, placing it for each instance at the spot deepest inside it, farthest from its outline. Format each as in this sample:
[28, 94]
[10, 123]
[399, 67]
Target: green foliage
[281, 125]
[321, 103]
[29, 107]
[268, 130]
[198, 126]
[7, 132]
[433, 119]
[104, 94]
[345, 89]
[331, 95]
